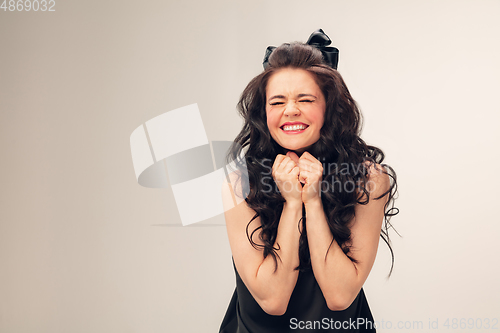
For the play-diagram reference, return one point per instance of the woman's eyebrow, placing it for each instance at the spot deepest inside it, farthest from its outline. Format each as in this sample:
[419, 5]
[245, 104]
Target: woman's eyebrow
[306, 95]
[276, 96]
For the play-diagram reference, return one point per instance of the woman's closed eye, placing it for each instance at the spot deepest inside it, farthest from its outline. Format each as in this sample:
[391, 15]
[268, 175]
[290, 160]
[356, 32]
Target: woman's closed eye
[301, 101]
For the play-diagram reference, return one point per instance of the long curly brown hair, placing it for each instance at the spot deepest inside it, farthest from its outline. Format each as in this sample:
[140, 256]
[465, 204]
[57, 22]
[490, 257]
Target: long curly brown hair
[340, 147]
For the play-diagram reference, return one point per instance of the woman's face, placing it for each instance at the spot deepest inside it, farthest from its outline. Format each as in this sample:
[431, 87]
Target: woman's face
[295, 109]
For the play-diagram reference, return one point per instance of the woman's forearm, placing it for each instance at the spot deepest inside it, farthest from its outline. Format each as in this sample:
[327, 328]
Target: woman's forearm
[335, 273]
[276, 284]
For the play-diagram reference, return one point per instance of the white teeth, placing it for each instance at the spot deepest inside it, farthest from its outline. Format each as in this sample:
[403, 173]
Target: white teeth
[294, 127]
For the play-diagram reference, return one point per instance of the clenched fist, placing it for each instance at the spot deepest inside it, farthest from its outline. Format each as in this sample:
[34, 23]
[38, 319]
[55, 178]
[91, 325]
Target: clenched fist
[290, 171]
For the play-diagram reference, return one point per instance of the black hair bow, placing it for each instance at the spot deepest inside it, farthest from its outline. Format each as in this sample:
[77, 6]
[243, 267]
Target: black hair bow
[319, 40]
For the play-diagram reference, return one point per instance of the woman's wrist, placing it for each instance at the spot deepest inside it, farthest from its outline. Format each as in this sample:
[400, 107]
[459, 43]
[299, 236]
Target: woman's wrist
[293, 204]
[314, 203]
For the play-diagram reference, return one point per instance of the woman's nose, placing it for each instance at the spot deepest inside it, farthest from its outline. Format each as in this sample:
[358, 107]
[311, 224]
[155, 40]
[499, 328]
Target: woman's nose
[291, 110]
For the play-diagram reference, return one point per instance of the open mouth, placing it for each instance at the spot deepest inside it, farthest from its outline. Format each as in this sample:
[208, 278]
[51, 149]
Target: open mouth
[294, 128]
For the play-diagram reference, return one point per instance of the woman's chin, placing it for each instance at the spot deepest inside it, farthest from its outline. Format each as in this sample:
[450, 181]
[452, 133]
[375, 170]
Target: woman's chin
[297, 150]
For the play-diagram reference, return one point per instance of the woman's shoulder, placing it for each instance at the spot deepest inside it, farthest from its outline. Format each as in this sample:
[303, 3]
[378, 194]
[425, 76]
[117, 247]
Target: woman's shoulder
[234, 189]
[378, 180]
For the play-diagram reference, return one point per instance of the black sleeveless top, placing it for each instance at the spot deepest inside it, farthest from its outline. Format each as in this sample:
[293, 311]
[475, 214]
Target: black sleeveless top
[307, 312]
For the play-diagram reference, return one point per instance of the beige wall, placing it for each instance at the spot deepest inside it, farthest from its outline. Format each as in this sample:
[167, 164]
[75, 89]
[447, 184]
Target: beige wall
[84, 248]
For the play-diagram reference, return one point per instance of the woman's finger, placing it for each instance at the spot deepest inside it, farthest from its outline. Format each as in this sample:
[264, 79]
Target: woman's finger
[288, 166]
[293, 156]
[308, 157]
[277, 162]
[308, 165]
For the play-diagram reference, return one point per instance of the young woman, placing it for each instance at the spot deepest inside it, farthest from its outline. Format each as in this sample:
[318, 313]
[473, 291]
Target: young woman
[305, 237]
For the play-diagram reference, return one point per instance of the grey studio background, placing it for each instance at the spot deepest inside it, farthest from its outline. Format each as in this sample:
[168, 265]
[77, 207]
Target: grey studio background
[84, 248]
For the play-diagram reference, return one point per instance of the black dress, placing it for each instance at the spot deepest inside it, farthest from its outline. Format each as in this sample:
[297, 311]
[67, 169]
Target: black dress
[307, 312]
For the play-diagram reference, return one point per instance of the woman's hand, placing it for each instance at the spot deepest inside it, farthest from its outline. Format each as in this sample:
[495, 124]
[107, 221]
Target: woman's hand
[310, 174]
[286, 176]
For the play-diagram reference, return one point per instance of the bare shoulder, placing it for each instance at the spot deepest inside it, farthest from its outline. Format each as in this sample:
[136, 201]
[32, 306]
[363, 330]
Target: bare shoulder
[234, 190]
[369, 216]
[237, 213]
[378, 181]
[242, 226]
